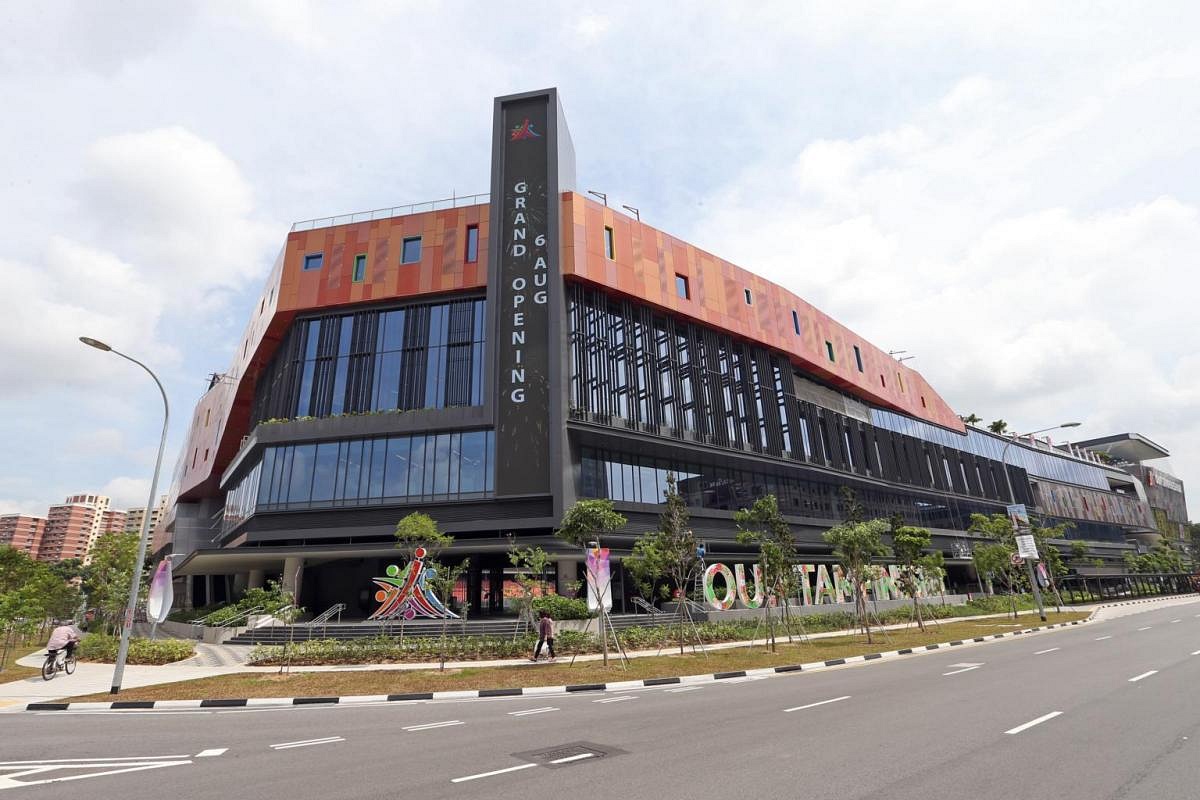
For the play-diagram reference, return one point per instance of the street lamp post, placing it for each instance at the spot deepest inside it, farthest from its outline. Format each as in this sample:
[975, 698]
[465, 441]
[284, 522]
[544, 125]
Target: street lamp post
[135, 584]
[1012, 498]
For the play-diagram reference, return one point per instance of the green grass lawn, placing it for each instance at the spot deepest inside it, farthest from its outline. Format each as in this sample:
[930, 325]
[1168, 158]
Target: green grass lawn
[370, 682]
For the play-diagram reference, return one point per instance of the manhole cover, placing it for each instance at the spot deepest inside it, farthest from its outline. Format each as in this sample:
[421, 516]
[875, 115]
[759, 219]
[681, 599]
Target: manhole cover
[568, 754]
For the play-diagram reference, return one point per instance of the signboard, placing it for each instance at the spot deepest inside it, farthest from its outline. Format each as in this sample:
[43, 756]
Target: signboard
[521, 287]
[1026, 546]
[1019, 516]
[162, 593]
[1016, 559]
[599, 579]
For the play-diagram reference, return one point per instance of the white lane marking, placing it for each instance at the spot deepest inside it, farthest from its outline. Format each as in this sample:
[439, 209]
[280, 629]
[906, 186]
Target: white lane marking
[672, 691]
[1197, 653]
[814, 705]
[1148, 627]
[212, 751]
[87, 760]
[569, 759]
[966, 666]
[330, 740]
[490, 774]
[113, 766]
[322, 740]
[616, 699]
[1033, 722]
[1102, 638]
[431, 725]
[1137, 678]
[1176, 620]
[1043, 652]
[528, 711]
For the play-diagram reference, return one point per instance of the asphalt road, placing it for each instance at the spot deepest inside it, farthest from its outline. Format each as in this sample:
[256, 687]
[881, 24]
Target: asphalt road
[1104, 710]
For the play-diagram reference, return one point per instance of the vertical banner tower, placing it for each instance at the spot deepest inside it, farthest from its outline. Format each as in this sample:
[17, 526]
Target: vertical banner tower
[533, 162]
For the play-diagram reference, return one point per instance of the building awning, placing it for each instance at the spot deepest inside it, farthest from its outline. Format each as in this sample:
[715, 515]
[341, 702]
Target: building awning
[1125, 447]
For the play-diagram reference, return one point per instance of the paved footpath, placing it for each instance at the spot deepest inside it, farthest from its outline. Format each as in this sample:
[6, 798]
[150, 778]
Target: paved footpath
[1105, 711]
[223, 660]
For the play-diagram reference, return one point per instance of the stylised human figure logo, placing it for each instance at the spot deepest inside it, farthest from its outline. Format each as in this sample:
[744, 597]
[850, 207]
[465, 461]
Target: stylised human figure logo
[524, 131]
[405, 593]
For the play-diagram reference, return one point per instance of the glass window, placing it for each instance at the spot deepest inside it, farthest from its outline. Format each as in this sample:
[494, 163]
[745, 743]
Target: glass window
[829, 350]
[360, 268]
[610, 248]
[749, 297]
[474, 451]
[796, 321]
[472, 243]
[395, 483]
[416, 466]
[411, 251]
[313, 261]
[441, 465]
[324, 471]
[681, 287]
[300, 484]
[858, 358]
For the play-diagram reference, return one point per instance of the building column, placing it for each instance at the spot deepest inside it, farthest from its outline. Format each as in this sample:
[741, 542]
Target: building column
[256, 579]
[208, 590]
[567, 574]
[293, 576]
[241, 581]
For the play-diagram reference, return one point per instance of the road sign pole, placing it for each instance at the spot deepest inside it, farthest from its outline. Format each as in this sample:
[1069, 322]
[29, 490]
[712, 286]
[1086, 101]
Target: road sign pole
[1037, 593]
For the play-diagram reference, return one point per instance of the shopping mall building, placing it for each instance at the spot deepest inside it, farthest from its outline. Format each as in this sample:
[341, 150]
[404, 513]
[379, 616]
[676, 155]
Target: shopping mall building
[490, 360]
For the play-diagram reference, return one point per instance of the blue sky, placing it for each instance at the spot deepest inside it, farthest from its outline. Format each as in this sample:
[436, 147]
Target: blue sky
[1008, 192]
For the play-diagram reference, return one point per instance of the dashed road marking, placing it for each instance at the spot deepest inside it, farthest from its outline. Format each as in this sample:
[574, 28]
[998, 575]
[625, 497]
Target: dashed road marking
[307, 743]
[814, 705]
[528, 711]
[685, 689]
[1032, 722]
[1050, 650]
[1137, 678]
[577, 757]
[1102, 638]
[450, 723]
[616, 699]
[214, 751]
[1148, 627]
[1176, 620]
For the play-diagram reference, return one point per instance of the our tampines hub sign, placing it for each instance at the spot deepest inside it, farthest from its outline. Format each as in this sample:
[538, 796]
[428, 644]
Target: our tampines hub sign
[523, 285]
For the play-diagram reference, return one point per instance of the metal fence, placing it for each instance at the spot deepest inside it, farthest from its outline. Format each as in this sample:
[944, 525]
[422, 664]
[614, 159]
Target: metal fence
[1099, 588]
[456, 201]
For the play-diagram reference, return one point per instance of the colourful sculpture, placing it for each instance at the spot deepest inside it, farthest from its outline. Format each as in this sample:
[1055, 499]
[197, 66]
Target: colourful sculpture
[405, 593]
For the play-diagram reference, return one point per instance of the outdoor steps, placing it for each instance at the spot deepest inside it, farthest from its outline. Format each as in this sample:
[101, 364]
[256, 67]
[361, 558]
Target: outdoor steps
[278, 634]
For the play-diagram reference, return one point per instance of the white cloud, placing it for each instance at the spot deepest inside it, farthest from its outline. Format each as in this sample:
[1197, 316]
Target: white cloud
[127, 492]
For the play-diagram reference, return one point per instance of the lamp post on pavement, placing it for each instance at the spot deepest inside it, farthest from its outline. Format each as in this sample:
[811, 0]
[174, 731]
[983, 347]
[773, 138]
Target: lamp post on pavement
[135, 584]
[1012, 499]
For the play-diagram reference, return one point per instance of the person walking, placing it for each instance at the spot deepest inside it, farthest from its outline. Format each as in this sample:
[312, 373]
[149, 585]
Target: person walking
[545, 635]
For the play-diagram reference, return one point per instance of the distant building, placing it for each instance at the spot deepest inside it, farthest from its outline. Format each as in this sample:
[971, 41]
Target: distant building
[113, 521]
[22, 531]
[135, 516]
[73, 527]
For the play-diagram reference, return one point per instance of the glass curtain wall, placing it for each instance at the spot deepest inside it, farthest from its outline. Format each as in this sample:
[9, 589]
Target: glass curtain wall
[419, 356]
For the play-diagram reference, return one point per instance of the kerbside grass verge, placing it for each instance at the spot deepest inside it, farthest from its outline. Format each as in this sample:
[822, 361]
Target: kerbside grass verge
[373, 682]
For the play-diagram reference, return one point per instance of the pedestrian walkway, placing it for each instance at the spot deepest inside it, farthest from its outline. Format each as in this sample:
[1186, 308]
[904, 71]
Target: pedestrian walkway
[225, 659]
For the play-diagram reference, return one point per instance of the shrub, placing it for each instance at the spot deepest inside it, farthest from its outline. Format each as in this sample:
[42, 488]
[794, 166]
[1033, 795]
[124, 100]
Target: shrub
[98, 647]
[562, 607]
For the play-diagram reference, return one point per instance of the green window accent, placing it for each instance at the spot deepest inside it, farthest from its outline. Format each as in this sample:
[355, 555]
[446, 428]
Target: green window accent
[360, 268]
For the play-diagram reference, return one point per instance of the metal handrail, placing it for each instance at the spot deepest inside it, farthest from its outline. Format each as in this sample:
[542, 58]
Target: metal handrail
[456, 201]
[328, 613]
[226, 624]
[644, 605]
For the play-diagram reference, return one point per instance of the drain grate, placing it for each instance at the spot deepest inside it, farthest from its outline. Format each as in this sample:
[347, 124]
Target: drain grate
[568, 754]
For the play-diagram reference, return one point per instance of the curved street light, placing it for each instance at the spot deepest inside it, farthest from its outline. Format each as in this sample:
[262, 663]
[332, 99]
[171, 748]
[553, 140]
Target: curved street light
[135, 584]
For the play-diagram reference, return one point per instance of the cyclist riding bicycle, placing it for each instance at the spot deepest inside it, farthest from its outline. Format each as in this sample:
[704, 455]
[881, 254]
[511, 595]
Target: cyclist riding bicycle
[64, 636]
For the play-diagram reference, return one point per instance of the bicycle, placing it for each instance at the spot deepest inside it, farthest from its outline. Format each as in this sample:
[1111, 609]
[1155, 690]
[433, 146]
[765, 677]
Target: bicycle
[58, 660]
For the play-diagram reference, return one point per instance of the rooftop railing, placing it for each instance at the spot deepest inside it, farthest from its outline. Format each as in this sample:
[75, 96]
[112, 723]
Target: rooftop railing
[456, 201]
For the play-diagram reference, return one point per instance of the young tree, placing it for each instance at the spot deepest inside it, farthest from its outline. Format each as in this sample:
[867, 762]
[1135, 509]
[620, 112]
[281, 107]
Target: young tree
[996, 559]
[855, 545]
[110, 574]
[1078, 551]
[670, 550]
[531, 564]
[589, 521]
[763, 525]
[909, 544]
[419, 531]
[998, 426]
[852, 510]
[442, 580]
